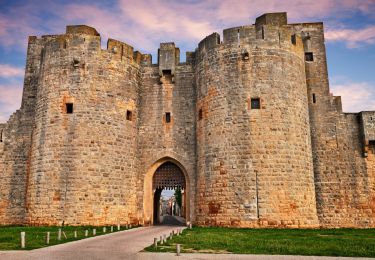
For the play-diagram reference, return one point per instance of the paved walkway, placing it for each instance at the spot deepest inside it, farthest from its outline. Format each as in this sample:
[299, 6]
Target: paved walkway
[127, 245]
[119, 245]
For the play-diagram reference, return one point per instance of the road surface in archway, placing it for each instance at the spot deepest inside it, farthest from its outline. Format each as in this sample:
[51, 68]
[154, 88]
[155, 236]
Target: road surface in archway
[173, 221]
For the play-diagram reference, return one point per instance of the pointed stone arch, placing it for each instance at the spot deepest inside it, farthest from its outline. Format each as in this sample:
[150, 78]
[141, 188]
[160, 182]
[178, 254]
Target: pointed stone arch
[148, 194]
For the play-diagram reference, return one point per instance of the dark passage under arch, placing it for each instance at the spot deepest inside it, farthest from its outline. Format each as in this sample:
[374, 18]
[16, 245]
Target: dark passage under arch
[168, 176]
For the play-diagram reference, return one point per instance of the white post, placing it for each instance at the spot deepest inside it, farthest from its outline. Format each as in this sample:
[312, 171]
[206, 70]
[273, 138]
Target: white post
[86, 233]
[165, 238]
[190, 226]
[94, 232]
[23, 239]
[75, 234]
[104, 229]
[161, 240]
[130, 226]
[118, 227]
[59, 234]
[178, 249]
[47, 238]
[155, 242]
[111, 228]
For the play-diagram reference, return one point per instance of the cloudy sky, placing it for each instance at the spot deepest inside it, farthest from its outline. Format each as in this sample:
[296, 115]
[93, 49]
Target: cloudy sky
[349, 26]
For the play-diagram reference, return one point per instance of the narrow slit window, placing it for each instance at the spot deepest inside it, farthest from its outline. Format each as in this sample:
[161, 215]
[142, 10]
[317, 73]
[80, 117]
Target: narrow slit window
[314, 98]
[309, 56]
[129, 115]
[293, 39]
[1, 136]
[69, 108]
[255, 103]
[262, 32]
[200, 114]
[238, 37]
[168, 117]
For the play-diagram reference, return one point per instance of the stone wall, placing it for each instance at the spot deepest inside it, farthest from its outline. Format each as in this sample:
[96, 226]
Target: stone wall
[15, 145]
[254, 165]
[344, 178]
[158, 139]
[82, 165]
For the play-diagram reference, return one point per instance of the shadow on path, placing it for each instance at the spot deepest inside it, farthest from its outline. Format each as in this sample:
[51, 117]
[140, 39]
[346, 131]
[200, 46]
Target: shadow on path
[169, 220]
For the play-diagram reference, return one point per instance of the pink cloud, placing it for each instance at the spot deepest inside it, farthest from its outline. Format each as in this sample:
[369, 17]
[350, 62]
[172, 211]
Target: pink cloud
[8, 71]
[144, 24]
[10, 100]
[355, 96]
[353, 38]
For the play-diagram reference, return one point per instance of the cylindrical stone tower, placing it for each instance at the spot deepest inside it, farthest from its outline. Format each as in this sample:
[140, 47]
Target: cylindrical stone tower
[253, 133]
[82, 165]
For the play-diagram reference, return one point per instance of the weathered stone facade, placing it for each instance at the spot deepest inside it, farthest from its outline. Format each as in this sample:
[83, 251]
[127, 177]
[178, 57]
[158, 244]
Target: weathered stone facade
[249, 120]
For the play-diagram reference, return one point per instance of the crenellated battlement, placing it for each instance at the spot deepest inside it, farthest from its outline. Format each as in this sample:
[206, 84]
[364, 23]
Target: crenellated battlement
[81, 29]
[269, 31]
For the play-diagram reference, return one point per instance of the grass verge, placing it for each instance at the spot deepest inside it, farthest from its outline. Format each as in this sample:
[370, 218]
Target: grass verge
[318, 242]
[36, 236]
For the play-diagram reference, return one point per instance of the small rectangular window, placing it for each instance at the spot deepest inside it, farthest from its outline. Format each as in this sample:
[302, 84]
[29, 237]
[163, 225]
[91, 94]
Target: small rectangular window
[255, 103]
[293, 39]
[309, 56]
[69, 108]
[371, 144]
[314, 98]
[168, 117]
[200, 114]
[129, 115]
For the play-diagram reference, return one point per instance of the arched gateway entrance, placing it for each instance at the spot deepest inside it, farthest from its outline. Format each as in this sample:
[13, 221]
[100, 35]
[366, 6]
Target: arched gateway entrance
[166, 174]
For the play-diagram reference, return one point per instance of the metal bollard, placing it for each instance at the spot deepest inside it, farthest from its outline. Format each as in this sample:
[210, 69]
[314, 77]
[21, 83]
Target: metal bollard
[178, 249]
[59, 234]
[161, 240]
[23, 239]
[47, 238]
[155, 243]
[75, 234]
[94, 232]
[86, 233]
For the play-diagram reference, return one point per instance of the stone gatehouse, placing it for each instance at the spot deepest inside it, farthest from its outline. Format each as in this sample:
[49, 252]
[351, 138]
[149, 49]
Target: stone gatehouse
[247, 127]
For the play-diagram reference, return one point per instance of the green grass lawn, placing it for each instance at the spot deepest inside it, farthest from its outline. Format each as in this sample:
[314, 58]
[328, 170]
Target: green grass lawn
[35, 236]
[319, 242]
